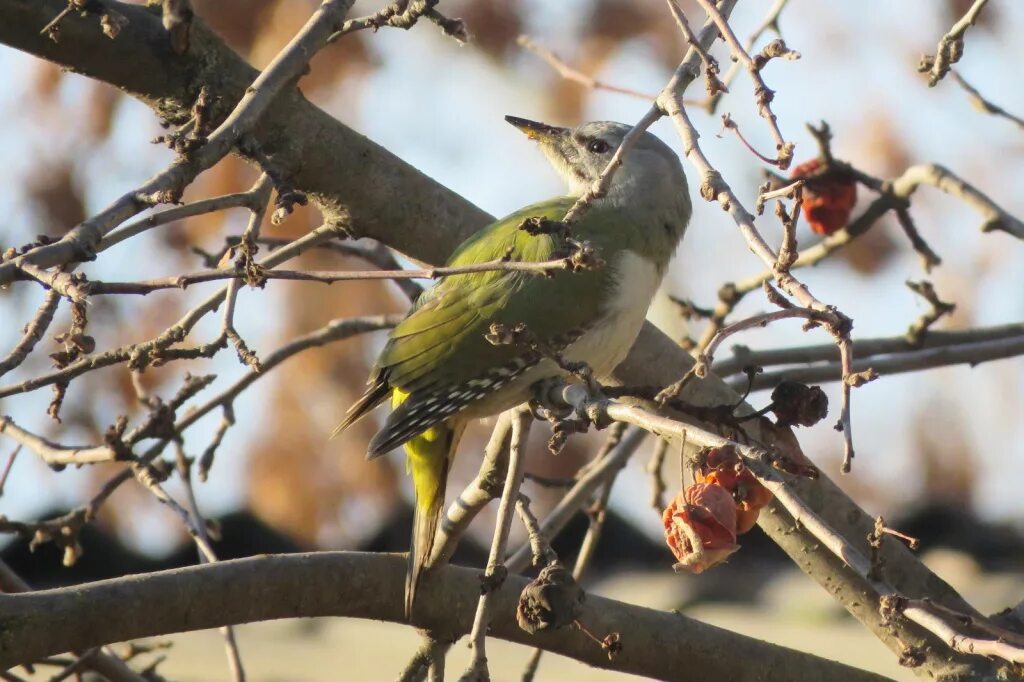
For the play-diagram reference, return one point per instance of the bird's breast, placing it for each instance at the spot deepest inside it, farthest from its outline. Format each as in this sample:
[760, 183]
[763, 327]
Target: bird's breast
[607, 342]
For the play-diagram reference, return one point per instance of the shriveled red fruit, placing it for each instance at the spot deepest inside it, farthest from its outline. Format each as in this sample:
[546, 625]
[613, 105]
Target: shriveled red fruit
[828, 198]
[700, 527]
[723, 466]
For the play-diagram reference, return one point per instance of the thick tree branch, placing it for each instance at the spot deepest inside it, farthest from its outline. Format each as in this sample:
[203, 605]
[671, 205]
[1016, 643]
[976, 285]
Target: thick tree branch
[655, 644]
[111, 667]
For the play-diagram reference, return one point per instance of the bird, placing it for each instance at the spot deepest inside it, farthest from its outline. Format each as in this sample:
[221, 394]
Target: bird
[438, 369]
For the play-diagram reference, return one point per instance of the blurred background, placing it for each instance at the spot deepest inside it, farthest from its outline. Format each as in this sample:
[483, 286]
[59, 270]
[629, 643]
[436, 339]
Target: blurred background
[940, 453]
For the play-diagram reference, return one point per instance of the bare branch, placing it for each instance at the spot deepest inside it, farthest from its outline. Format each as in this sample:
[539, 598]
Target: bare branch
[94, 288]
[578, 496]
[404, 15]
[496, 572]
[769, 23]
[755, 321]
[477, 494]
[571, 74]
[970, 352]
[106, 664]
[40, 624]
[197, 530]
[951, 46]
[982, 104]
[762, 93]
[221, 203]
[939, 309]
[34, 331]
[866, 348]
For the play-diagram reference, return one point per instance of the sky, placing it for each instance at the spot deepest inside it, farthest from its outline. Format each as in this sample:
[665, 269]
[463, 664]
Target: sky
[440, 107]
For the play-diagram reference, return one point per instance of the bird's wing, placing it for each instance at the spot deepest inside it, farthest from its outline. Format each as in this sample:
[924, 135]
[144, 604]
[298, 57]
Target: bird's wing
[439, 355]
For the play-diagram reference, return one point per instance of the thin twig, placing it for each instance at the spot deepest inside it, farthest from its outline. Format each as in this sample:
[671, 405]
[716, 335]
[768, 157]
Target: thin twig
[769, 23]
[80, 663]
[753, 322]
[496, 570]
[574, 75]
[951, 46]
[221, 203]
[144, 287]
[937, 310]
[404, 15]
[228, 632]
[486, 486]
[7, 467]
[539, 545]
[985, 105]
[655, 469]
[579, 495]
[762, 93]
[34, 331]
[432, 650]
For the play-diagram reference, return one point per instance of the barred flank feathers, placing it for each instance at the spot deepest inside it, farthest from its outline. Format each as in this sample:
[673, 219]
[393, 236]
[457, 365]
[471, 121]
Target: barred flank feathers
[417, 412]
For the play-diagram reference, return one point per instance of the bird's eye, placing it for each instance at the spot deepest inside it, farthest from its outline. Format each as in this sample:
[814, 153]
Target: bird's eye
[597, 146]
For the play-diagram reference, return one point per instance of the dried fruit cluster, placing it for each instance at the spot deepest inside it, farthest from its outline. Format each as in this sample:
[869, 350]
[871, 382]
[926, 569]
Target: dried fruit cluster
[702, 522]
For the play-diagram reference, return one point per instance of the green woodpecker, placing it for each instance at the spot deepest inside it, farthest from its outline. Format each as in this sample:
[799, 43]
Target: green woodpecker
[438, 368]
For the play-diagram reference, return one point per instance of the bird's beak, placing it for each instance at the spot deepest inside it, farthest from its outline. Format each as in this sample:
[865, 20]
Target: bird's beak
[541, 132]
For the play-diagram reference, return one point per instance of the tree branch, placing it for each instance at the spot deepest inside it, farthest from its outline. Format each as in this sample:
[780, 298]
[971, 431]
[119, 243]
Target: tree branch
[985, 105]
[655, 644]
[866, 348]
[967, 352]
[951, 46]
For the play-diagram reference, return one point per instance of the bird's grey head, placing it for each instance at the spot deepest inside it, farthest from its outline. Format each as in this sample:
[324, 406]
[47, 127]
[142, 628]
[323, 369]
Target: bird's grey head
[581, 154]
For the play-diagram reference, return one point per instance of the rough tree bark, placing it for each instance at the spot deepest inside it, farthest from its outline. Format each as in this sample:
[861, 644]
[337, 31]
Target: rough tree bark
[655, 643]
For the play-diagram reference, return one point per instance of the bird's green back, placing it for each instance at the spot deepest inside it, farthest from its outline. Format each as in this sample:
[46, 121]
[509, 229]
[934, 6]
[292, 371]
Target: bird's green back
[443, 340]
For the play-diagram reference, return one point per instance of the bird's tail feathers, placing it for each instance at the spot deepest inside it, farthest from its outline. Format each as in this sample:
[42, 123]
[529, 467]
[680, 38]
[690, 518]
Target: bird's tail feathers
[428, 457]
[374, 396]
